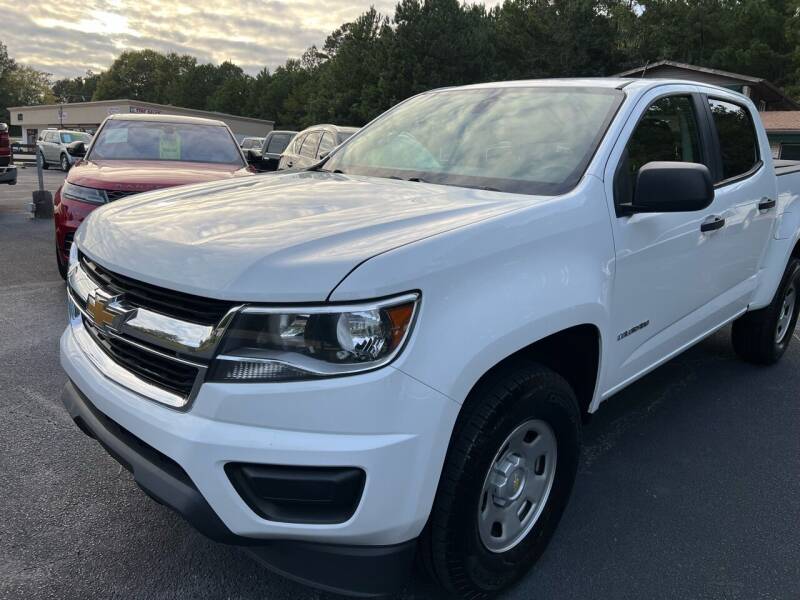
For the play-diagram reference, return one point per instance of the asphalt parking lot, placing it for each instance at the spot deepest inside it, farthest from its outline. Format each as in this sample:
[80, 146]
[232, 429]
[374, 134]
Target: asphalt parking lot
[689, 485]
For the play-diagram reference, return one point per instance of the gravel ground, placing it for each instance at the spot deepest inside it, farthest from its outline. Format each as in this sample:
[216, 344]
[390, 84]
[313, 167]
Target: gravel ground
[688, 487]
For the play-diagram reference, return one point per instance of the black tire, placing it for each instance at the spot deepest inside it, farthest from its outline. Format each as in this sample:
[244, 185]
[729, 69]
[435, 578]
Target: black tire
[65, 163]
[451, 546]
[44, 162]
[755, 335]
[62, 267]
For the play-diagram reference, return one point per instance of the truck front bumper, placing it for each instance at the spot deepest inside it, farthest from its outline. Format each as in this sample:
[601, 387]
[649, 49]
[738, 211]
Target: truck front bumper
[385, 423]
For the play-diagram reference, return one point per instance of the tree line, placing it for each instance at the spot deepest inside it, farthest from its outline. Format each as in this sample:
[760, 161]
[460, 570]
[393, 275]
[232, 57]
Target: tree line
[368, 65]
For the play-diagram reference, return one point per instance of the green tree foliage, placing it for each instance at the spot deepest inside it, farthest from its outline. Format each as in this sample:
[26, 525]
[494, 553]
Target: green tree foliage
[371, 63]
[21, 85]
[77, 89]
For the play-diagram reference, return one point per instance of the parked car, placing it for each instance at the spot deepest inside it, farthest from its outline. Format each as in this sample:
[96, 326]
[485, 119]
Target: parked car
[251, 142]
[8, 172]
[312, 144]
[52, 147]
[135, 153]
[393, 352]
[266, 157]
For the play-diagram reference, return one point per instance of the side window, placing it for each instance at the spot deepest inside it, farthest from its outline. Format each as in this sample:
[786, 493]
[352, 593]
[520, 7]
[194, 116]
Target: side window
[738, 143]
[668, 131]
[327, 144]
[298, 142]
[309, 147]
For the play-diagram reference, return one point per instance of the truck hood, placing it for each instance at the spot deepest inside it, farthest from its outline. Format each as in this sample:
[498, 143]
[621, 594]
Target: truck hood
[274, 238]
[145, 175]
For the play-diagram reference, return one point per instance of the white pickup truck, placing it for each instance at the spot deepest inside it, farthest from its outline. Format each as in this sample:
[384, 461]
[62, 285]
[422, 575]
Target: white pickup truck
[392, 353]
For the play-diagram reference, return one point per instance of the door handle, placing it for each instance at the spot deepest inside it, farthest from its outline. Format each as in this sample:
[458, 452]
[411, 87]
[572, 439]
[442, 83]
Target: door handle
[712, 223]
[766, 204]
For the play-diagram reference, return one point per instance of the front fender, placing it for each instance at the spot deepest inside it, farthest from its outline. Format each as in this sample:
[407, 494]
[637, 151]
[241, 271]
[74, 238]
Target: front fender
[492, 288]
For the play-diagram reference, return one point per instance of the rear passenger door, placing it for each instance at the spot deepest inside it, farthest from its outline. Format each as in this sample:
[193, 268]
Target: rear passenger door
[47, 146]
[746, 189]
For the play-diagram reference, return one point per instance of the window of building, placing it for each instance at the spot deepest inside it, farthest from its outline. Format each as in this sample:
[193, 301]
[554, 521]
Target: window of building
[738, 143]
[790, 151]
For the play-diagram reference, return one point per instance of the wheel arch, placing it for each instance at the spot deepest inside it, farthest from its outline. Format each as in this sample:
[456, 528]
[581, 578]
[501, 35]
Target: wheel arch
[574, 353]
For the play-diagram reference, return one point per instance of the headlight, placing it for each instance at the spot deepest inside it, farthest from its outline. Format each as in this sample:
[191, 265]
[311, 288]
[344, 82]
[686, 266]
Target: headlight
[280, 344]
[84, 194]
[73, 255]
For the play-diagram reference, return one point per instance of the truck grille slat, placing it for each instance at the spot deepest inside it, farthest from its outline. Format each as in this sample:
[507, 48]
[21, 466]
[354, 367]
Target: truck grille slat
[161, 371]
[180, 305]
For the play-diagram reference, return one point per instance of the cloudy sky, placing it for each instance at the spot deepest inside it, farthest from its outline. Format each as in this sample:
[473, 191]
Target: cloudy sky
[67, 38]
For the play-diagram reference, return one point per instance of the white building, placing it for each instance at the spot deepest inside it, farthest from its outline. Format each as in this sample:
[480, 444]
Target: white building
[87, 116]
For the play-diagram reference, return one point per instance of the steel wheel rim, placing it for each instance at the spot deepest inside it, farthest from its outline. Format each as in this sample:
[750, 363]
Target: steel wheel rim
[785, 315]
[517, 486]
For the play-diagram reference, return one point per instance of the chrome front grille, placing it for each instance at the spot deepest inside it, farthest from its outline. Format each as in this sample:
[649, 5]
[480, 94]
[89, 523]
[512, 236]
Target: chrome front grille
[188, 307]
[154, 341]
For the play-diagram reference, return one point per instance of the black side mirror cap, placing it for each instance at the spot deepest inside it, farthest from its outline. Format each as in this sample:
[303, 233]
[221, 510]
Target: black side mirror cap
[77, 148]
[671, 187]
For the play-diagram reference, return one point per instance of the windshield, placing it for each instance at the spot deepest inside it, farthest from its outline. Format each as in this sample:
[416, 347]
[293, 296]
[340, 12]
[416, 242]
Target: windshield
[532, 140]
[145, 140]
[75, 136]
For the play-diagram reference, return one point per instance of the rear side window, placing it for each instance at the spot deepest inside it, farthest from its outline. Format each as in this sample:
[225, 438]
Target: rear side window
[738, 143]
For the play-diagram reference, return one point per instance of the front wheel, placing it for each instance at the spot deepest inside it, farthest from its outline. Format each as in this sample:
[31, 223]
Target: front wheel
[506, 481]
[762, 336]
[44, 162]
[64, 163]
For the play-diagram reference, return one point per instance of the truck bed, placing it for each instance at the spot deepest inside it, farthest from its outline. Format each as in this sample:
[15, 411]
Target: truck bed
[785, 167]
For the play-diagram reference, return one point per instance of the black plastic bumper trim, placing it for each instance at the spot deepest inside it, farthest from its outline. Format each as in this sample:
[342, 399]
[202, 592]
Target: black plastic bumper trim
[354, 570]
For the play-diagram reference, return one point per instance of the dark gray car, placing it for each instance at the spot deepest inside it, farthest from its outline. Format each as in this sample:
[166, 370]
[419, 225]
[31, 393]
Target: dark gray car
[267, 156]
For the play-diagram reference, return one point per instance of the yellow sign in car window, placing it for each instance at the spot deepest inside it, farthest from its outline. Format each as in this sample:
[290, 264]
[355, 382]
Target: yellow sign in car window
[169, 146]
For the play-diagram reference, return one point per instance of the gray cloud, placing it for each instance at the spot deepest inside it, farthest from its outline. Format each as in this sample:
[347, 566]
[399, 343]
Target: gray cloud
[66, 39]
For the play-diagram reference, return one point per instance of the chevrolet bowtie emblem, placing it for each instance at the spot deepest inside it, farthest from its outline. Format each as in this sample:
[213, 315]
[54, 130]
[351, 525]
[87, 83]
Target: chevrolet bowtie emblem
[105, 310]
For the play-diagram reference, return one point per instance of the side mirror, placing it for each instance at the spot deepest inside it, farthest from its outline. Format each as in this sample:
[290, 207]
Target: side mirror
[323, 155]
[77, 149]
[671, 187]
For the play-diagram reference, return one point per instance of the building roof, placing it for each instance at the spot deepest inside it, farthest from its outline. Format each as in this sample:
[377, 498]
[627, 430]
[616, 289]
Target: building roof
[768, 89]
[164, 107]
[781, 120]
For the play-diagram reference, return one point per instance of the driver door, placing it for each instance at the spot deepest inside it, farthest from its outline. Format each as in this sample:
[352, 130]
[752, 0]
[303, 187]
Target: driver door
[667, 290]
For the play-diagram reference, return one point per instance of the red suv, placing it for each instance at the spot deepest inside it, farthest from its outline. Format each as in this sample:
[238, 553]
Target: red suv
[137, 153]
[8, 172]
